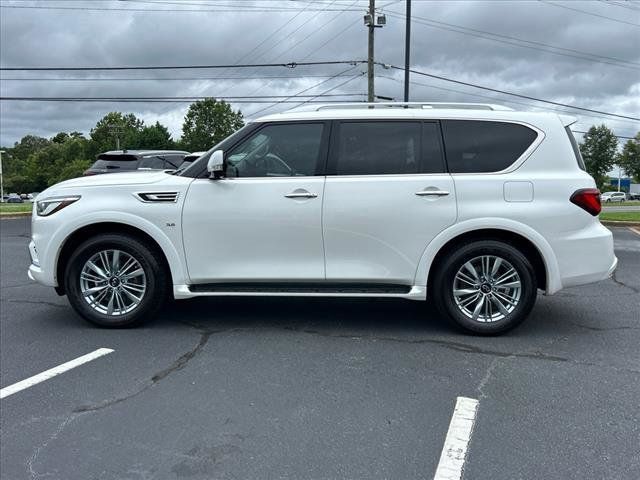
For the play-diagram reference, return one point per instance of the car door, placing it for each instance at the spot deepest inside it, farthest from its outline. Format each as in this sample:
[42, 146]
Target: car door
[387, 195]
[262, 221]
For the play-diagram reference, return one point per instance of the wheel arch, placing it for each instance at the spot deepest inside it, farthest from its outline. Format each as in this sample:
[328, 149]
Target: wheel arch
[75, 238]
[523, 237]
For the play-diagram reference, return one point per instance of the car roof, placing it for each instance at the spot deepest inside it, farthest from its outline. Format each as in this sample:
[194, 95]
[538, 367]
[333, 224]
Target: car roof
[145, 152]
[410, 110]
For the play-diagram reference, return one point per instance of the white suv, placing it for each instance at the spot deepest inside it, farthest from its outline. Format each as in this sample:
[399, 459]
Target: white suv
[613, 197]
[475, 206]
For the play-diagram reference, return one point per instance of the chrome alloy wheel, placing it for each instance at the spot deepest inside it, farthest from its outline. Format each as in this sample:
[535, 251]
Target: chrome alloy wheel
[112, 282]
[487, 288]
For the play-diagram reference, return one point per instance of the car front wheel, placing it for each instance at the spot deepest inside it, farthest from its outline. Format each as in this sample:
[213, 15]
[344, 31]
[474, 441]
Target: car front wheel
[116, 281]
[485, 287]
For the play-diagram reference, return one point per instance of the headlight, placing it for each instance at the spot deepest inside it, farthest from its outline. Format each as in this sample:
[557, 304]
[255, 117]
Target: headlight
[51, 205]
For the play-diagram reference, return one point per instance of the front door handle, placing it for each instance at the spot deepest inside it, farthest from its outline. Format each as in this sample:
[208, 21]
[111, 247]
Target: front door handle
[427, 192]
[299, 193]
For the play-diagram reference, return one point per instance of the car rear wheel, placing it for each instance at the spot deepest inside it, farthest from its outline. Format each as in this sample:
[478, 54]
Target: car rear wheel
[485, 287]
[116, 281]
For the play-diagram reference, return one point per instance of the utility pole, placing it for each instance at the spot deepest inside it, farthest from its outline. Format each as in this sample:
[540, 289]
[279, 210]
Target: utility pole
[116, 130]
[407, 50]
[370, 64]
[372, 22]
[1, 179]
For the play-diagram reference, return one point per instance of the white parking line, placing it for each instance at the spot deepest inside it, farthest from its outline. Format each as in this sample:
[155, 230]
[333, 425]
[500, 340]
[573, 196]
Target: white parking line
[52, 372]
[635, 230]
[454, 452]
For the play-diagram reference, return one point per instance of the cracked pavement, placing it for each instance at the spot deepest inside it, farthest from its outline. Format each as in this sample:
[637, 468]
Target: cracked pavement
[319, 389]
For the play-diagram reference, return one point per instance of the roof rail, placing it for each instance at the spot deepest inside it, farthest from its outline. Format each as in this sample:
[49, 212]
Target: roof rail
[421, 105]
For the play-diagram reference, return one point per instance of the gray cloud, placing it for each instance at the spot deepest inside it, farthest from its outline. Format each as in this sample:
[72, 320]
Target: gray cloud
[86, 38]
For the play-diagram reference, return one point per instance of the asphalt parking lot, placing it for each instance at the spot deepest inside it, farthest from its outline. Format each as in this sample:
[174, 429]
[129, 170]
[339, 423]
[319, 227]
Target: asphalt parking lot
[319, 389]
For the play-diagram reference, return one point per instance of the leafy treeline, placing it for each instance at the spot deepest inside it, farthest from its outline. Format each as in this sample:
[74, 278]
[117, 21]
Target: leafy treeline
[599, 149]
[34, 163]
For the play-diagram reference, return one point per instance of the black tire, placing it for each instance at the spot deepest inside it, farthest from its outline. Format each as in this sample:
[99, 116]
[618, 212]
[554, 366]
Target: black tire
[157, 280]
[443, 286]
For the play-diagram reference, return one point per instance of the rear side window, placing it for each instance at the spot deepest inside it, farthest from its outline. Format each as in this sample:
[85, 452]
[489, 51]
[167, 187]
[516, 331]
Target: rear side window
[474, 146]
[378, 148]
[576, 149]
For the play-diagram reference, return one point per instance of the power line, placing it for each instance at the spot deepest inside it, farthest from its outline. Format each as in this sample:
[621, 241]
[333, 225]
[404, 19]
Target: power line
[629, 6]
[128, 79]
[509, 40]
[514, 102]
[189, 97]
[617, 136]
[300, 42]
[299, 94]
[589, 13]
[186, 67]
[161, 100]
[468, 84]
[262, 9]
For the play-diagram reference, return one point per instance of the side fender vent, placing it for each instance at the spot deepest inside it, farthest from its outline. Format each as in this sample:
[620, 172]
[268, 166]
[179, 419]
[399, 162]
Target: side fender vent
[158, 197]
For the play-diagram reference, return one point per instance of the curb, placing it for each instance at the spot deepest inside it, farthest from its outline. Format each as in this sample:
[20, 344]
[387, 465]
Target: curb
[12, 216]
[616, 223]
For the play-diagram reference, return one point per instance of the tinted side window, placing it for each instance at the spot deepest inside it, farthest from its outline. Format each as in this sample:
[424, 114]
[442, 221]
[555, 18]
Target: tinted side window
[477, 146]
[576, 149]
[173, 161]
[285, 150]
[377, 148]
[151, 162]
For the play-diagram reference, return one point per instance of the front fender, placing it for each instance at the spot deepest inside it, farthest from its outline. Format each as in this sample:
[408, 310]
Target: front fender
[551, 264]
[170, 243]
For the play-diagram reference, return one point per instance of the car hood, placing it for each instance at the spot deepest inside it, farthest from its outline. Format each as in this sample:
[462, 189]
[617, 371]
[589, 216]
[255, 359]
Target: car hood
[124, 178]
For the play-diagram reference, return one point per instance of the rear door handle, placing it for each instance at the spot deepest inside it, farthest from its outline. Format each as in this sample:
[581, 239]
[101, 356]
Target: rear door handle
[434, 193]
[301, 194]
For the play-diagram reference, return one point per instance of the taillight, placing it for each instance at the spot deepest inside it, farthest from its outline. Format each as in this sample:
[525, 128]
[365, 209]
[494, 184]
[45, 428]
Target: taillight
[588, 199]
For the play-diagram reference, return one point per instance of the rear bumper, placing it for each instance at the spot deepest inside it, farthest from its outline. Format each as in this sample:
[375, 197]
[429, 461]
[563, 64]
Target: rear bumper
[586, 256]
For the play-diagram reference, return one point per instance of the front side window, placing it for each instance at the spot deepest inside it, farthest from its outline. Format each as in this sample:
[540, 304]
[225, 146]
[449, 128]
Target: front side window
[285, 150]
[380, 148]
[474, 146]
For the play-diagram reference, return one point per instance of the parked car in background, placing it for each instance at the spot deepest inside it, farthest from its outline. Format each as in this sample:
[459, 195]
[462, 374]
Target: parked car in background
[189, 159]
[124, 160]
[451, 202]
[14, 198]
[634, 196]
[613, 197]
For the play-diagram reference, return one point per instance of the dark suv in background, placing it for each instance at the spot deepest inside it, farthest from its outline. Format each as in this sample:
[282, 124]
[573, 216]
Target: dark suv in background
[121, 160]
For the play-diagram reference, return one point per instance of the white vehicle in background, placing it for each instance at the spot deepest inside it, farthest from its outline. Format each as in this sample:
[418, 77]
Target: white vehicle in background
[609, 197]
[475, 206]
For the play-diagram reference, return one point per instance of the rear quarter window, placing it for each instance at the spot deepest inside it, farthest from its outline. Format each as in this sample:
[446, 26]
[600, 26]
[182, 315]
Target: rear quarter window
[576, 149]
[474, 146]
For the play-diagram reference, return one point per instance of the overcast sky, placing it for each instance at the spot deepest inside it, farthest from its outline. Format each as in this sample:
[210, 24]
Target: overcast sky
[604, 35]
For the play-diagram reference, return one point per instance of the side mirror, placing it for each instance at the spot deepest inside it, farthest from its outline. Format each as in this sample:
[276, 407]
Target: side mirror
[215, 165]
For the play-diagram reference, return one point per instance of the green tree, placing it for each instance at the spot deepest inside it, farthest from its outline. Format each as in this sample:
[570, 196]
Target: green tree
[73, 169]
[599, 152]
[28, 145]
[207, 122]
[155, 137]
[103, 135]
[60, 137]
[629, 159]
